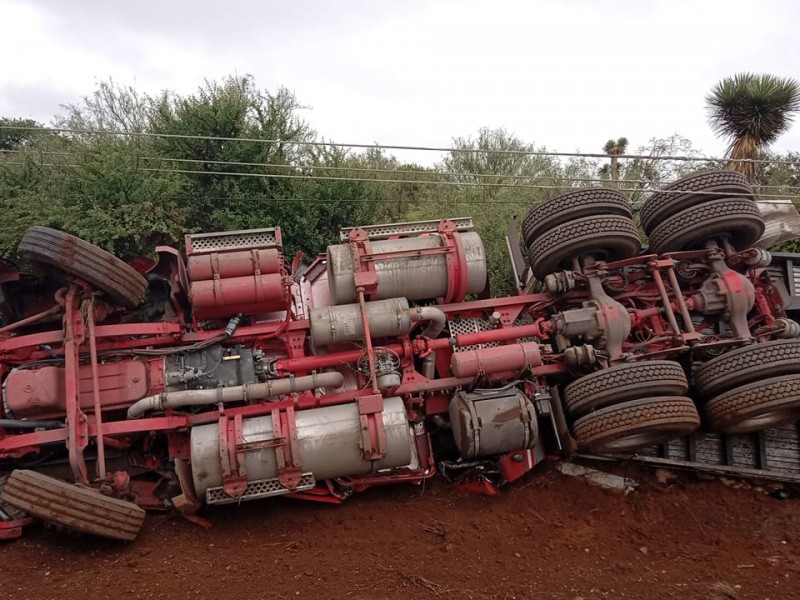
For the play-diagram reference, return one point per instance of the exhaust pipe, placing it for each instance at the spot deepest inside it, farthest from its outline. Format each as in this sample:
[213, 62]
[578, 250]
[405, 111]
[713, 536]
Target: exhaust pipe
[238, 393]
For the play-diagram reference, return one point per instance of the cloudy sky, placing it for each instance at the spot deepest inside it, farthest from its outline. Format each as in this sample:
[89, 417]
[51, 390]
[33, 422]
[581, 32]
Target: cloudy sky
[568, 74]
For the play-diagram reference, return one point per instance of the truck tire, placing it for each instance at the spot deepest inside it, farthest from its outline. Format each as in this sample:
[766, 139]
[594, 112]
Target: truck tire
[624, 382]
[735, 218]
[635, 424]
[69, 256]
[74, 507]
[572, 205]
[610, 236]
[682, 194]
[756, 406]
[746, 365]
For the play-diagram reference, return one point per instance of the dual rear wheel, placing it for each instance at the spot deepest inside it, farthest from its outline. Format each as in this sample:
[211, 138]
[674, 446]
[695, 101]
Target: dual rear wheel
[592, 221]
[702, 207]
[630, 406]
[751, 388]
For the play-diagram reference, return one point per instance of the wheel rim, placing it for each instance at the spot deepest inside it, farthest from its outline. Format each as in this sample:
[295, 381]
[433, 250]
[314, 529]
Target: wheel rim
[766, 420]
[641, 439]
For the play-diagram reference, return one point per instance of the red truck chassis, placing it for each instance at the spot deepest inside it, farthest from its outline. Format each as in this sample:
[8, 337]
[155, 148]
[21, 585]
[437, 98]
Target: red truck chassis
[226, 374]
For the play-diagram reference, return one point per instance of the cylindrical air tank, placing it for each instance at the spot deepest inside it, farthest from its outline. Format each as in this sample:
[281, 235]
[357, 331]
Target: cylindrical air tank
[419, 277]
[233, 264]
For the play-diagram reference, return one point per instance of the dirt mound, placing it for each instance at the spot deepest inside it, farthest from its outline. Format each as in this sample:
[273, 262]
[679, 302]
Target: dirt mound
[548, 536]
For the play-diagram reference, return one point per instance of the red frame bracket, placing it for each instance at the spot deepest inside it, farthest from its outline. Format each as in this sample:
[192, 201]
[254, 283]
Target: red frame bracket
[373, 433]
[77, 422]
[287, 455]
[234, 472]
[456, 262]
[364, 274]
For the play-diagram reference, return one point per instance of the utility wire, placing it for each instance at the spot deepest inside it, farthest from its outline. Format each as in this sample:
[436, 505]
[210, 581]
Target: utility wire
[408, 181]
[587, 180]
[644, 182]
[384, 146]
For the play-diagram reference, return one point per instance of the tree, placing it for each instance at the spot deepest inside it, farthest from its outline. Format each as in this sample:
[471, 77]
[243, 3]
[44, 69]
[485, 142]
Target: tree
[111, 107]
[751, 111]
[782, 173]
[495, 158]
[110, 198]
[12, 138]
[231, 181]
[614, 149]
[643, 175]
[499, 177]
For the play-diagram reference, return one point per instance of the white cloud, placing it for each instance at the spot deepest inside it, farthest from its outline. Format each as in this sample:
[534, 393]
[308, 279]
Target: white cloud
[568, 74]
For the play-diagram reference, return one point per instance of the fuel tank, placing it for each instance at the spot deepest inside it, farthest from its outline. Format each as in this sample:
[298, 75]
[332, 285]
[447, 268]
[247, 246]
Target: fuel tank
[328, 439]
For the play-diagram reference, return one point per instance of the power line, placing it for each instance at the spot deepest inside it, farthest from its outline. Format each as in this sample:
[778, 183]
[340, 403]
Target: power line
[151, 134]
[587, 180]
[360, 169]
[408, 181]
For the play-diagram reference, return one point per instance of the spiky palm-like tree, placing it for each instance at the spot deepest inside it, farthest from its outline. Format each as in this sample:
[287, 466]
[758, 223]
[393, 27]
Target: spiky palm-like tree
[615, 148]
[751, 111]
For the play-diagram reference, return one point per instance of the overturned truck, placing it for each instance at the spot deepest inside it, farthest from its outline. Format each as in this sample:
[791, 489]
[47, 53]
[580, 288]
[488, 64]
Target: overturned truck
[225, 373]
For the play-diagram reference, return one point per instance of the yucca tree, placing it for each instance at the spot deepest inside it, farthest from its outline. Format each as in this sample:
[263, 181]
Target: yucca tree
[615, 148]
[750, 111]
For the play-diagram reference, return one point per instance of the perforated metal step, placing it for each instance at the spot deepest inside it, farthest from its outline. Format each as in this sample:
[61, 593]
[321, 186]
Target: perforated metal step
[260, 488]
[474, 325]
[242, 239]
[387, 230]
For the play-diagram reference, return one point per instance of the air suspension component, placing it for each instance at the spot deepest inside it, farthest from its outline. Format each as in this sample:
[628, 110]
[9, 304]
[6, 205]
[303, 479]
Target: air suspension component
[560, 282]
[787, 328]
[758, 257]
[491, 422]
[328, 444]
[580, 357]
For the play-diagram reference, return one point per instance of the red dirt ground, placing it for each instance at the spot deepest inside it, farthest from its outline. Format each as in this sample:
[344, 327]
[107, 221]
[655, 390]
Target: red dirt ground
[548, 536]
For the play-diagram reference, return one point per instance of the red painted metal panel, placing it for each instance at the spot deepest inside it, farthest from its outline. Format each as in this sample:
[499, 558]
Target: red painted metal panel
[40, 392]
[225, 265]
[250, 295]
